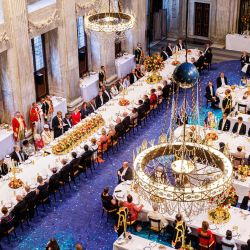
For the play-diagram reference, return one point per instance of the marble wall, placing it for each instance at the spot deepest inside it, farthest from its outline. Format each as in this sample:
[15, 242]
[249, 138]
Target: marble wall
[57, 20]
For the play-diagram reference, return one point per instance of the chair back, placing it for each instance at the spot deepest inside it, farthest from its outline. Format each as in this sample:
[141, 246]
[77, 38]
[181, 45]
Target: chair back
[242, 107]
[154, 224]
[205, 238]
[227, 246]
[6, 226]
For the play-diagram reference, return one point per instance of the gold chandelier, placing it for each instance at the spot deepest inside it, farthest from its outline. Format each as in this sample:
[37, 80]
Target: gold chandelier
[110, 21]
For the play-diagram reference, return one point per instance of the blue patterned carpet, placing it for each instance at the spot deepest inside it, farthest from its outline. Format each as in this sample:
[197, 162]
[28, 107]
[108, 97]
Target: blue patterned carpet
[77, 218]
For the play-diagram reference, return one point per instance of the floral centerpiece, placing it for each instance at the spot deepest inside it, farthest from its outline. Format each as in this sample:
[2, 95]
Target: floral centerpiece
[77, 135]
[243, 172]
[124, 102]
[220, 214]
[154, 64]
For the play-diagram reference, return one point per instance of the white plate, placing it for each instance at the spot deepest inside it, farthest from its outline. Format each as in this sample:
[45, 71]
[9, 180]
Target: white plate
[212, 227]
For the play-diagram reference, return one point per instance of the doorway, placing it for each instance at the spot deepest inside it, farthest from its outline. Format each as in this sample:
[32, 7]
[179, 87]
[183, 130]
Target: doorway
[201, 24]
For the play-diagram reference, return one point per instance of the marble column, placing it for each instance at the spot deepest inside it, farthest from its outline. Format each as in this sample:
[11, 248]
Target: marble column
[103, 53]
[16, 64]
[63, 55]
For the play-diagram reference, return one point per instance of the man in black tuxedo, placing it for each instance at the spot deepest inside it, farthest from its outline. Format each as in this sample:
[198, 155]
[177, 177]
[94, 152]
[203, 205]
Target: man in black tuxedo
[30, 199]
[224, 123]
[119, 128]
[221, 80]
[65, 171]
[239, 127]
[67, 122]
[57, 124]
[20, 208]
[245, 204]
[208, 54]
[246, 247]
[210, 95]
[91, 106]
[200, 62]
[45, 108]
[99, 100]
[106, 94]
[18, 155]
[138, 54]
[85, 159]
[3, 168]
[146, 103]
[180, 45]
[132, 77]
[164, 54]
[126, 121]
[54, 181]
[169, 50]
[141, 109]
[125, 173]
[244, 59]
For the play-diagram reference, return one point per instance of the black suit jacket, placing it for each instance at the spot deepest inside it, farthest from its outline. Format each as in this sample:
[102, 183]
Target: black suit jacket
[141, 111]
[128, 175]
[244, 203]
[164, 55]
[119, 129]
[208, 94]
[219, 83]
[169, 51]
[179, 46]
[15, 157]
[106, 98]
[91, 109]
[146, 104]
[99, 102]
[67, 126]
[45, 108]
[126, 122]
[226, 125]
[19, 208]
[55, 125]
[208, 55]
[54, 182]
[199, 63]
[3, 169]
[242, 129]
[132, 78]
[30, 198]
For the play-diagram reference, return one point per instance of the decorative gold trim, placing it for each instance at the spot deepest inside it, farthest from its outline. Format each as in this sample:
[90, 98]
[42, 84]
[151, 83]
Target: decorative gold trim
[44, 24]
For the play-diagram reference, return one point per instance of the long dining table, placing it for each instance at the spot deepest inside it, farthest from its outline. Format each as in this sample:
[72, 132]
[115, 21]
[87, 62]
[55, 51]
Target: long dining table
[39, 164]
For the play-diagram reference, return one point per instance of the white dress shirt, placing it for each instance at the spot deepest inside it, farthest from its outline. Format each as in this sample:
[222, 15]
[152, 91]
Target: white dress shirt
[223, 82]
[211, 90]
[239, 127]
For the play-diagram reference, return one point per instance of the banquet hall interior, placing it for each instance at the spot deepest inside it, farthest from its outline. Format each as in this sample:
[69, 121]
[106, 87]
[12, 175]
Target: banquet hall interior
[124, 124]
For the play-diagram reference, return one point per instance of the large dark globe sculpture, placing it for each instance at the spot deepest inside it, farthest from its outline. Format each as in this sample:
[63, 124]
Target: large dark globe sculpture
[186, 75]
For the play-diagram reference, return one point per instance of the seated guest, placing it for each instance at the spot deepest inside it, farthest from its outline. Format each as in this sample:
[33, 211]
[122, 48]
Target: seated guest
[28, 148]
[182, 118]
[111, 134]
[164, 54]
[146, 103]
[247, 246]
[227, 102]
[106, 94]
[6, 216]
[125, 121]
[114, 90]
[141, 109]
[180, 229]
[239, 127]
[119, 84]
[166, 90]
[210, 95]
[94, 148]
[229, 241]
[244, 59]
[159, 92]
[119, 128]
[169, 49]
[208, 54]
[84, 110]
[52, 245]
[125, 173]
[67, 122]
[200, 62]
[3, 168]
[210, 121]
[30, 199]
[75, 159]
[126, 82]
[134, 116]
[57, 124]
[110, 202]
[18, 155]
[87, 153]
[224, 123]
[153, 98]
[245, 204]
[180, 45]
[222, 147]
[238, 157]
[204, 231]
[99, 100]
[47, 135]
[138, 71]
[133, 77]
[221, 80]
[155, 215]
[38, 141]
[42, 188]
[103, 141]
[92, 106]
[20, 207]
[54, 180]
[133, 209]
[76, 117]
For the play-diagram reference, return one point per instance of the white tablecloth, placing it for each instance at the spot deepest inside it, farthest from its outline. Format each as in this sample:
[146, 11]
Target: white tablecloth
[124, 65]
[237, 95]
[6, 142]
[109, 112]
[238, 42]
[237, 218]
[89, 87]
[60, 104]
[137, 243]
